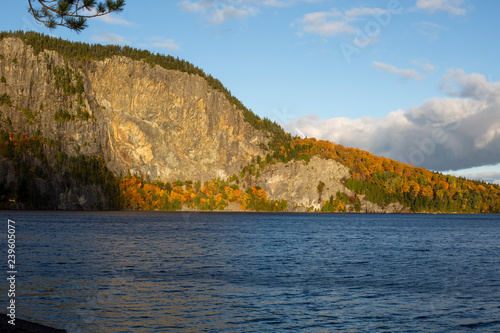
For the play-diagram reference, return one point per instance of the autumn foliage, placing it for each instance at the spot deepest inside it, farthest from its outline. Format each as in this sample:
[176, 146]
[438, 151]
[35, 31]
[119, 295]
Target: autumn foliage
[384, 181]
[376, 179]
[214, 195]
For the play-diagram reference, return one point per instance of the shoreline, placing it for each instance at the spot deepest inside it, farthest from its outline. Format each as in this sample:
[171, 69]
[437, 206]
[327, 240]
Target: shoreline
[26, 326]
[242, 212]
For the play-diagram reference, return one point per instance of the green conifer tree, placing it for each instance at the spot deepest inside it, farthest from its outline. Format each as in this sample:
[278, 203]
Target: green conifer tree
[72, 14]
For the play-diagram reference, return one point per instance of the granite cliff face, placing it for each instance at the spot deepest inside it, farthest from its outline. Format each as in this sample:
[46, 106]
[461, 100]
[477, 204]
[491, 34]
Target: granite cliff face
[169, 124]
[296, 181]
[79, 121]
[68, 125]
[149, 121]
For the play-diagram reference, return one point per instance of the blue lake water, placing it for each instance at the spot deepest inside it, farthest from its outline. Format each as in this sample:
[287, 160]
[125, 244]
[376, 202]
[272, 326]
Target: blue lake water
[230, 272]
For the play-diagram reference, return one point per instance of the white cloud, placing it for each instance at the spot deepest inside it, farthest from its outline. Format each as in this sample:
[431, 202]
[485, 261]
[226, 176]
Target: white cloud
[365, 11]
[408, 73]
[110, 38]
[426, 67]
[452, 133]
[476, 86]
[278, 3]
[322, 23]
[221, 11]
[403, 73]
[229, 12]
[327, 24]
[194, 7]
[111, 18]
[489, 176]
[429, 29]
[334, 22]
[165, 43]
[159, 42]
[114, 20]
[453, 7]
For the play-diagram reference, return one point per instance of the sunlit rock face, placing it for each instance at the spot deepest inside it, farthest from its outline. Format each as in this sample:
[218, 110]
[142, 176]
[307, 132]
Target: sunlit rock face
[149, 121]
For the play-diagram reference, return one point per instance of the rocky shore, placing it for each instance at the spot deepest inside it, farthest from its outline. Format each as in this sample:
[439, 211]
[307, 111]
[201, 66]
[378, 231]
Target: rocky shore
[24, 326]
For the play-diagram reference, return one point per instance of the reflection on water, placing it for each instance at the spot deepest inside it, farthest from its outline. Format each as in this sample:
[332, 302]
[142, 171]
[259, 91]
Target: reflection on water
[157, 272]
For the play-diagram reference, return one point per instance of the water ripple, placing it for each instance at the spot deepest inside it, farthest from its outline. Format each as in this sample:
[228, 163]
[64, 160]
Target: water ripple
[160, 272]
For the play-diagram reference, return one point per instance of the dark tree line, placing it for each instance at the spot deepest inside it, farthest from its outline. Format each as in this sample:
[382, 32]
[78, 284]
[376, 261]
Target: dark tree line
[39, 178]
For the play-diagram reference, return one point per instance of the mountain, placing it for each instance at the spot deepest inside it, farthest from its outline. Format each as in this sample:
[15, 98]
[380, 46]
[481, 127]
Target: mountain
[108, 127]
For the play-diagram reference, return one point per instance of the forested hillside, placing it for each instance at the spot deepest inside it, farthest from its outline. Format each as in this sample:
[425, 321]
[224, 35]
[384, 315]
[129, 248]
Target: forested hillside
[384, 181]
[70, 139]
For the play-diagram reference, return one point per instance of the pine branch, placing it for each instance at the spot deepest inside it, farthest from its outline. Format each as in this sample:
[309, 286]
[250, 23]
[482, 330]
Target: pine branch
[72, 14]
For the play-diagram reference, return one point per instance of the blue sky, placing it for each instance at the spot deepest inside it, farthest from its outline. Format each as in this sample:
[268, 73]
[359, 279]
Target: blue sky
[413, 80]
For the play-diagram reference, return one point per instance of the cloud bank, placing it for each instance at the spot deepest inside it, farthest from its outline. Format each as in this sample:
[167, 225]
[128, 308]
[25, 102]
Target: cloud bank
[455, 132]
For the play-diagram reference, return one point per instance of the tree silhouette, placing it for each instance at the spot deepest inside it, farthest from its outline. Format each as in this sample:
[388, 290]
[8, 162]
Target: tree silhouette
[72, 14]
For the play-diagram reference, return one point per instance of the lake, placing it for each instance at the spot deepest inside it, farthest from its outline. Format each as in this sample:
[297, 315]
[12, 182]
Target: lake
[251, 272]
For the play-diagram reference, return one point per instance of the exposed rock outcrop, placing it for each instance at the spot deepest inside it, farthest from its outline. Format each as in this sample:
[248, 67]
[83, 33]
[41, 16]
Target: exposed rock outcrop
[133, 117]
[150, 121]
[297, 181]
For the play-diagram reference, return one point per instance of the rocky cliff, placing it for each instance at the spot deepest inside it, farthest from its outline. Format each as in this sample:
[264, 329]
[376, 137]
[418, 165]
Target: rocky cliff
[78, 122]
[150, 121]
[296, 181]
